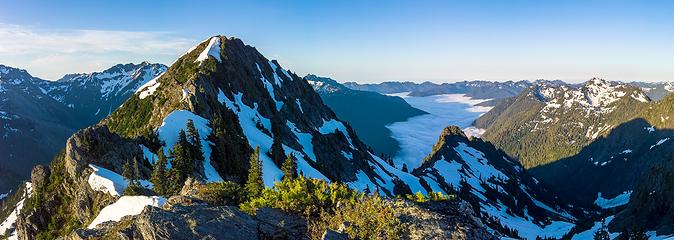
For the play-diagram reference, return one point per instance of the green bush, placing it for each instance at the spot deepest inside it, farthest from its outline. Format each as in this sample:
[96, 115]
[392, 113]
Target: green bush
[222, 193]
[308, 197]
[329, 205]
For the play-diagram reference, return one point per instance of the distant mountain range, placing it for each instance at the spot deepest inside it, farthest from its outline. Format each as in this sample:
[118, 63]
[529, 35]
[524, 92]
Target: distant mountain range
[473, 89]
[38, 115]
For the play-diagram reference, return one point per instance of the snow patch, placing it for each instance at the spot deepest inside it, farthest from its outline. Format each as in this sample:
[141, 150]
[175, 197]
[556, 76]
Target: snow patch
[661, 141]
[149, 155]
[304, 139]
[149, 87]
[299, 104]
[126, 206]
[107, 181]
[332, 126]
[619, 200]
[474, 131]
[110, 182]
[213, 50]
[270, 87]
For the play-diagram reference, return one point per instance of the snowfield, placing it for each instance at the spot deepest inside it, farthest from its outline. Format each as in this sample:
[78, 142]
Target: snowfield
[418, 134]
[126, 206]
[619, 200]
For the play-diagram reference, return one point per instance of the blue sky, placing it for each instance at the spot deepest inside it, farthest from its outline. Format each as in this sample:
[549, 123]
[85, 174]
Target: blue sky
[364, 41]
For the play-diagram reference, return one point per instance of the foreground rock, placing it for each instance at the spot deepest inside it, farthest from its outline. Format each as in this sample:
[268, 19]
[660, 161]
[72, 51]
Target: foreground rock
[200, 222]
[436, 220]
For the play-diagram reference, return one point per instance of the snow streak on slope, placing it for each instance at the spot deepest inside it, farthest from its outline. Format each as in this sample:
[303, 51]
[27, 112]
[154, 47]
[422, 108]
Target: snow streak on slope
[126, 206]
[418, 134]
[149, 87]
[176, 121]
[10, 221]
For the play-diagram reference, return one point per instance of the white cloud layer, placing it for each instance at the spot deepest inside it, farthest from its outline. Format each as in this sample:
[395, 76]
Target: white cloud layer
[50, 54]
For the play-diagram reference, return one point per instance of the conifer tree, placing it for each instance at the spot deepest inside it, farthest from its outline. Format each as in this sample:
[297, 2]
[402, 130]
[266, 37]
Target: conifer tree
[136, 172]
[277, 153]
[255, 185]
[289, 167]
[624, 235]
[195, 139]
[196, 149]
[181, 164]
[638, 234]
[127, 173]
[602, 232]
[158, 178]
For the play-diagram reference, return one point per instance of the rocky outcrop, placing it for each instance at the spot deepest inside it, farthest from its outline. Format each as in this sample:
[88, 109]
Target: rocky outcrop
[201, 222]
[39, 175]
[97, 145]
[442, 220]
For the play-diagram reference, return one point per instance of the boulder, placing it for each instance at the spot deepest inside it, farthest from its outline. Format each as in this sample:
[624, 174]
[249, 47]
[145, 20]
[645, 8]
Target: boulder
[276, 224]
[38, 175]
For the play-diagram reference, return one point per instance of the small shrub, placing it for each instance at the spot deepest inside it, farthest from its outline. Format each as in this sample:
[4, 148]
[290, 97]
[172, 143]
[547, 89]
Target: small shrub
[222, 193]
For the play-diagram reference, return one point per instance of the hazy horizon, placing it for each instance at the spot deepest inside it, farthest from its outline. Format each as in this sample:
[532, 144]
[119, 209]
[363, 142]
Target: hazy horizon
[346, 40]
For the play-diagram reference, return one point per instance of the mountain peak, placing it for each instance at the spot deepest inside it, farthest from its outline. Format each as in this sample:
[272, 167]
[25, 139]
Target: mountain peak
[13, 72]
[324, 84]
[452, 131]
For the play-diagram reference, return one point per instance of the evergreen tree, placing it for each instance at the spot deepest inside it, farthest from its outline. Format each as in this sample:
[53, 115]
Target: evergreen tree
[277, 153]
[127, 173]
[197, 152]
[136, 172]
[624, 235]
[602, 232]
[228, 149]
[638, 234]
[158, 178]
[195, 139]
[289, 167]
[405, 168]
[181, 164]
[255, 185]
